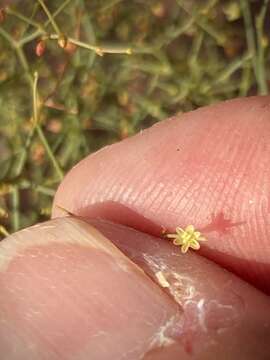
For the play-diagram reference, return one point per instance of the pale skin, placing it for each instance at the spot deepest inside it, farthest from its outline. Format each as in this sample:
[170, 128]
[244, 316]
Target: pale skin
[66, 290]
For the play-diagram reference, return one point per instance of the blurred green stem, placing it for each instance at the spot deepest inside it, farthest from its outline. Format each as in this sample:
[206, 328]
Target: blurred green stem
[262, 80]
[8, 38]
[204, 25]
[50, 17]
[15, 209]
[99, 50]
[109, 5]
[39, 130]
[257, 53]
[25, 19]
[38, 33]
[4, 231]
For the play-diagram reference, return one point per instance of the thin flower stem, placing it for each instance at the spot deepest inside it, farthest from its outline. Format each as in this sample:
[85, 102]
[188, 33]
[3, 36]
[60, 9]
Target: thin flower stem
[4, 231]
[250, 36]
[15, 45]
[44, 190]
[23, 155]
[39, 130]
[24, 19]
[15, 209]
[26, 184]
[50, 17]
[33, 14]
[35, 98]
[262, 80]
[38, 33]
[220, 38]
[109, 5]
[33, 84]
[24, 62]
[234, 66]
[59, 10]
[7, 37]
[174, 34]
[99, 50]
[245, 82]
[31, 37]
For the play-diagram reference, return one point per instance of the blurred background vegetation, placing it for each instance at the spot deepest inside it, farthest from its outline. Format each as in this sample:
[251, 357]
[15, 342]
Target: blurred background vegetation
[77, 75]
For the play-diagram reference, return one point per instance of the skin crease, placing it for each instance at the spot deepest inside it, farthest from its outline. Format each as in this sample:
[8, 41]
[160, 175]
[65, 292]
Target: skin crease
[68, 293]
[209, 168]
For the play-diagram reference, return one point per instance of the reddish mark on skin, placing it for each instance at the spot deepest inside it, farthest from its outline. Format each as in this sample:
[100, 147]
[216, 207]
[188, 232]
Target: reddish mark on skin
[187, 340]
[188, 346]
[220, 224]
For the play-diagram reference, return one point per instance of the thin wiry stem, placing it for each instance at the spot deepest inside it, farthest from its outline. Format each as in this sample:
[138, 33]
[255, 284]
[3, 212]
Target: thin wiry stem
[23, 155]
[7, 37]
[34, 12]
[50, 17]
[31, 37]
[24, 63]
[59, 10]
[262, 81]
[15, 196]
[245, 82]
[109, 5]
[44, 190]
[33, 84]
[250, 35]
[37, 127]
[26, 184]
[15, 45]
[220, 39]
[99, 50]
[39, 130]
[4, 231]
[234, 66]
[35, 98]
[25, 19]
[42, 31]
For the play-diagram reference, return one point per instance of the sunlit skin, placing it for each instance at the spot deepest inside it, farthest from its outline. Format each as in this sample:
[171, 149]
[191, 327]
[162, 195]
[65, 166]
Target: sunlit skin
[81, 286]
[221, 168]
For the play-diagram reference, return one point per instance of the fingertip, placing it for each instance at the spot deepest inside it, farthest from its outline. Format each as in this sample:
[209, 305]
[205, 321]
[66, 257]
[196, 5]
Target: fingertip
[208, 167]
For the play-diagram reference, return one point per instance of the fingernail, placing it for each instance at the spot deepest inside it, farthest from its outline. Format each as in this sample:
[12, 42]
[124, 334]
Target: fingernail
[66, 292]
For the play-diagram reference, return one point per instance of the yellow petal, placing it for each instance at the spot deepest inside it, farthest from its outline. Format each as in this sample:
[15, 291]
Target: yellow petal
[195, 245]
[184, 248]
[177, 241]
[202, 238]
[179, 231]
[190, 229]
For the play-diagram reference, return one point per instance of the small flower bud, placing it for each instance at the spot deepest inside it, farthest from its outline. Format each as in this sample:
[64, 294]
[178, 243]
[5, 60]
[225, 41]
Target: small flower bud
[40, 48]
[99, 51]
[159, 10]
[2, 15]
[62, 41]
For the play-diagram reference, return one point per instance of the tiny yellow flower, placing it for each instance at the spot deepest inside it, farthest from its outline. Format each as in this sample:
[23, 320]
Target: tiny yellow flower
[186, 238]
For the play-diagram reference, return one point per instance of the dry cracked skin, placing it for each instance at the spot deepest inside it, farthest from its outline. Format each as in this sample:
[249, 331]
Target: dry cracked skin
[103, 283]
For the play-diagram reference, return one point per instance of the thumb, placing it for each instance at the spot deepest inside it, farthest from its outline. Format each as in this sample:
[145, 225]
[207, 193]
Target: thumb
[67, 292]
